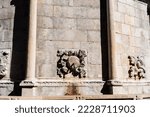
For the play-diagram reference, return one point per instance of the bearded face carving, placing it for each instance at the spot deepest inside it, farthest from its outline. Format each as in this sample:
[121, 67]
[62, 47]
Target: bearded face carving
[71, 62]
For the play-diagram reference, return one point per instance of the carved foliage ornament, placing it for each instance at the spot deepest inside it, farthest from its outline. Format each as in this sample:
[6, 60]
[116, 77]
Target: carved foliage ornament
[136, 68]
[3, 63]
[71, 62]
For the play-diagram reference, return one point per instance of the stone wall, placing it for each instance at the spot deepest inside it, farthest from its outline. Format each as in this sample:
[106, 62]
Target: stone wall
[70, 47]
[70, 25]
[131, 25]
[14, 24]
[7, 12]
[6, 30]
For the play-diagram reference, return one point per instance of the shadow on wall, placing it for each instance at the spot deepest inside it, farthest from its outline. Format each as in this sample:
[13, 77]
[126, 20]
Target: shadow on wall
[105, 47]
[20, 40]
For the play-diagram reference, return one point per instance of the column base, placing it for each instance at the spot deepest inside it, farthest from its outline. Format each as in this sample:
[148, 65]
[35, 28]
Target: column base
[28, 88]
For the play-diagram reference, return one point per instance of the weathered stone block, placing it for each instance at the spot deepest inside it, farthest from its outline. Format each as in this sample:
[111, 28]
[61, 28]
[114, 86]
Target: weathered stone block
[94, 71]
[5, 3]
[145, 25]
[80, 12]
[141, 5]
[126, 29]
[51, 91]
[138, 13]
[91, 90]
[137, 22]
[121, 7]
[64, 11]
[45, 22]
[118, 27]
[94, 56]
[70, 35]
[146, 34]
[119, 72]
[119, 90]
[5, 45]
[94, 36]
[87, 3]
[146, 90]
[118, 38]
[45, 10]
[61, 2]
[86, 24]
[1, 36]
[48, 2]
[44, 68]
[119, 17]
[129, 20]
[62, 23]
[126, 40]
[137, 32]
[93, 13]
[122, 1]
[6, 13]
[8, 35]
[130, 2]
[46, 57]
[6, 24]
[63, 44]
[130, 10]
[44, 34]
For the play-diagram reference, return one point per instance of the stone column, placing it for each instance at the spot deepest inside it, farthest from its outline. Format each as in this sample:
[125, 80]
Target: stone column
[32, 41]
[28, 84]
[111, 38]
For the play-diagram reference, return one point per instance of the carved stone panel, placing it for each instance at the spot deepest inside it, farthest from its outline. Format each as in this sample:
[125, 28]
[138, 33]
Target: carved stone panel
[3, 63]
[71, 62]
[136, 67]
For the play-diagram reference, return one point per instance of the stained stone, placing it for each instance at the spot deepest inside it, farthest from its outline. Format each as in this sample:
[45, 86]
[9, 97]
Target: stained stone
[74, 47]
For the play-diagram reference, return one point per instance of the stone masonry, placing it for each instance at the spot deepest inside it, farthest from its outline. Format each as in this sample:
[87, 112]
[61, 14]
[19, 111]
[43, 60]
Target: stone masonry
[68, 24]
[55, 47]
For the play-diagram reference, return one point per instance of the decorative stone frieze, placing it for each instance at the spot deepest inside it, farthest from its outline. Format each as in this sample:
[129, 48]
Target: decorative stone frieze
[3, 63]
[71, 62]
[136, 67]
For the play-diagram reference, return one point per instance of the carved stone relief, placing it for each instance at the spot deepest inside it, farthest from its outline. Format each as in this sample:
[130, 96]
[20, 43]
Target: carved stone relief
[3, 63]
[136, 67]
[71, 62]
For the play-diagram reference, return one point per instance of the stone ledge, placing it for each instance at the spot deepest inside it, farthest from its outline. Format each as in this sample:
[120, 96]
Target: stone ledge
[60, 83]
[128, 83]
[5, 83]
[77, 97]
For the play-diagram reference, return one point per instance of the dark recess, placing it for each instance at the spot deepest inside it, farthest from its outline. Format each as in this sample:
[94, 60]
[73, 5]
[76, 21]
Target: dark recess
[20, 42]
[105, 47]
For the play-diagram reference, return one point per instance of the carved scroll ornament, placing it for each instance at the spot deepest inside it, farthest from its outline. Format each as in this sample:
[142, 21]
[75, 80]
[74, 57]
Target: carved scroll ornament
[3, 63]
[136, 68]
[71, 62]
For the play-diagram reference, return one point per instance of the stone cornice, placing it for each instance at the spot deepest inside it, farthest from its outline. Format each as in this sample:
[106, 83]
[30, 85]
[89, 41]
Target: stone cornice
[148, 8]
